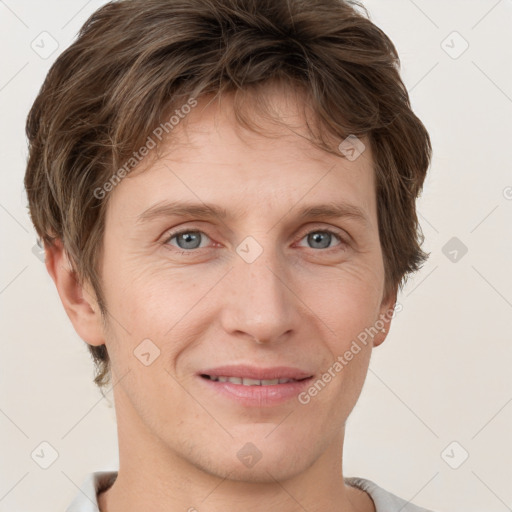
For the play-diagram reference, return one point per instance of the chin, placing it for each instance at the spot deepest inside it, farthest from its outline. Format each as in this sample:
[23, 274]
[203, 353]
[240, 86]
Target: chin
[263, 472]
[260, 460]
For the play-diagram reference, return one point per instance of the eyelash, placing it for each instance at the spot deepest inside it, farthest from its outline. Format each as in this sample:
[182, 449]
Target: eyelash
[170, 236]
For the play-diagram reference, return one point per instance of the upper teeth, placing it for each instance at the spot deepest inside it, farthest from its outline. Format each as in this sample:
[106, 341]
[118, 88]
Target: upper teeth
[250, 382]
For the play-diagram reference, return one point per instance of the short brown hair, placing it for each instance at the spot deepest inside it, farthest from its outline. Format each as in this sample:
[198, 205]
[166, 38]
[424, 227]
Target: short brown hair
[135, 60]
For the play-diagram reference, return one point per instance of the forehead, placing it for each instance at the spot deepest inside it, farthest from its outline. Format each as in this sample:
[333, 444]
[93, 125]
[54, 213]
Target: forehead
[212, 158]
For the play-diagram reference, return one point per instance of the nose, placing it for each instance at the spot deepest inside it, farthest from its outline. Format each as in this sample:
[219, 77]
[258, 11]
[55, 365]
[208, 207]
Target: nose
[257, 300]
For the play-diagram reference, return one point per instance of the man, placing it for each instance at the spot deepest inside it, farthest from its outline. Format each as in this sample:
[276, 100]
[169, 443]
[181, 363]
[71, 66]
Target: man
[226, 192]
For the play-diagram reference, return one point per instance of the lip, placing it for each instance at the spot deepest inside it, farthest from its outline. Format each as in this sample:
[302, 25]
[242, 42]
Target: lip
[257, 396]
[253, 372]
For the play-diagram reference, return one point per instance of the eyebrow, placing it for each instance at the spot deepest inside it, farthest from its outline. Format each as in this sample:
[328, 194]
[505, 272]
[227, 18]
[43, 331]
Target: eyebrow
[210, 211]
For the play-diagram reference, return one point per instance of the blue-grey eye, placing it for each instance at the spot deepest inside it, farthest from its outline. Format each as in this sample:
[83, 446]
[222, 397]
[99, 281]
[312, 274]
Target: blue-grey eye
[187, 239]
[321, 239]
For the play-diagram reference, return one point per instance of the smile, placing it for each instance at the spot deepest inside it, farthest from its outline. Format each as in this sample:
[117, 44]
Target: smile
[244, 381]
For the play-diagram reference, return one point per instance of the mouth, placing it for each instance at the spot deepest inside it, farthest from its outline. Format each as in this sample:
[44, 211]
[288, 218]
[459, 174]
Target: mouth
[250, 386]
[246, 381]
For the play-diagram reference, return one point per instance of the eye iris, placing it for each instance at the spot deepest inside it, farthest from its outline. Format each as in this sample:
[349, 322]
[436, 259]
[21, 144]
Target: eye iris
[317, 238]
[192, 239]
[189, 237]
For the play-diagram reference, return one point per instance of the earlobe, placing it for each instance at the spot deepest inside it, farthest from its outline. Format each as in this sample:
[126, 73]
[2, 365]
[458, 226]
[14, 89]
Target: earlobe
[78, 301]
[386, 314]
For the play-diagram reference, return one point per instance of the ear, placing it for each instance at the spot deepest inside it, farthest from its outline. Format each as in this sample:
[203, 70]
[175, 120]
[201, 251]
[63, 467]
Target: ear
[387, 311]
[78, 301]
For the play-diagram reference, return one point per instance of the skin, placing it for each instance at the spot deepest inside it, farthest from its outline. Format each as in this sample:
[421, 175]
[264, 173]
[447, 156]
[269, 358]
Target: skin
[300, 304]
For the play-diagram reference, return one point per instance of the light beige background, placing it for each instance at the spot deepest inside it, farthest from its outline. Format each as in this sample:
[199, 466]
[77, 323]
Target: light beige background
[443, 374]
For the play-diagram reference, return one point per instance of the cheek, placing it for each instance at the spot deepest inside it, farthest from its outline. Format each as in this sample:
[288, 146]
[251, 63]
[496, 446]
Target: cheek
[347, 307]
[347, 299]
[169, 306]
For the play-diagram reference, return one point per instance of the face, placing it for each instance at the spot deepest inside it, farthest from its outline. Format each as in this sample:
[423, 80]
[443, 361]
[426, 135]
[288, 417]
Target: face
[268, 280]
